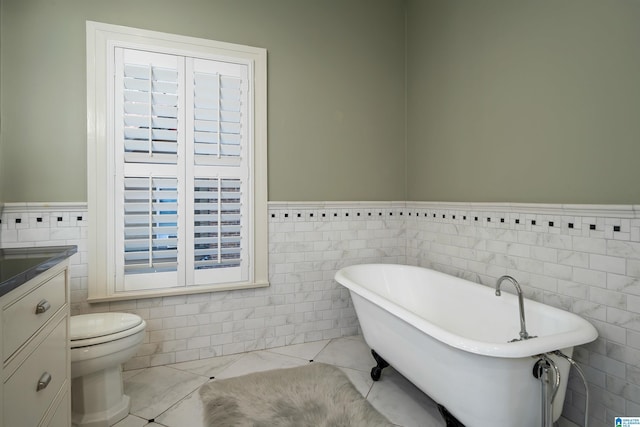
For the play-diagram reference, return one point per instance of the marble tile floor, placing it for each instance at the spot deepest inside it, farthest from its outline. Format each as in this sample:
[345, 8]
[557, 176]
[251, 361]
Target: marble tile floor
[168, 395]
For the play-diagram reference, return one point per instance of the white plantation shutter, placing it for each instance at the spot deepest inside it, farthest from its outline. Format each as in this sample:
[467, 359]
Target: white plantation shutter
[219, 101]
[150, 233]
[150, 224]
[219, 112]
[177, 164]
[151, 103]
[217, 223]
[218, 243]
[181, 124]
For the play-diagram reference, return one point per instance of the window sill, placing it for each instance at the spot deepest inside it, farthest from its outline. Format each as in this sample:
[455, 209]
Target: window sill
[122, 296]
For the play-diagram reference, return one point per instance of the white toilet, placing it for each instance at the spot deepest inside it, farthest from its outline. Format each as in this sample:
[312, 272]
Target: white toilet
[100, 343]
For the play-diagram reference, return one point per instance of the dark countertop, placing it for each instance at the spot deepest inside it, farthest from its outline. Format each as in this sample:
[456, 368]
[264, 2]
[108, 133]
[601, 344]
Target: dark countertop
[19, 265]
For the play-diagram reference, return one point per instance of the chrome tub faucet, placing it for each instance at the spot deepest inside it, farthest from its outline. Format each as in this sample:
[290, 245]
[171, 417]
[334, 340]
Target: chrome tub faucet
[524, 335]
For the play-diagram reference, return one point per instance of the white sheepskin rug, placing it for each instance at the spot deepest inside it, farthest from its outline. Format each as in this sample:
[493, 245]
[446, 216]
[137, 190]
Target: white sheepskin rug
[315, 395]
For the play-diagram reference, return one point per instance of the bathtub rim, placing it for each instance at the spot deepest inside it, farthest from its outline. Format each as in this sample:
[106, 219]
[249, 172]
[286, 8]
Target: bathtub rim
[527, 348]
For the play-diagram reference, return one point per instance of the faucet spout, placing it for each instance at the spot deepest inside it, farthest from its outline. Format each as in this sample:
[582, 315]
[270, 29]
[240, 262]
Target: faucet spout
[523, 328]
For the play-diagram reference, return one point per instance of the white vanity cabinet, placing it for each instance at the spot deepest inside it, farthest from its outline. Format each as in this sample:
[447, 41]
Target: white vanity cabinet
[36, 364]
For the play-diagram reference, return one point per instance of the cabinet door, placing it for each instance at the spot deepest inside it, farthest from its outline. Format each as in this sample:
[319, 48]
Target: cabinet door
[31, 389]
[62, 414]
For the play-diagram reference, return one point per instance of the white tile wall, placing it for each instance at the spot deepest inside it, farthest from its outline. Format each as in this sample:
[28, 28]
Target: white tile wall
[584, 259]
[303, 303]
[26, 225]
[568, 257]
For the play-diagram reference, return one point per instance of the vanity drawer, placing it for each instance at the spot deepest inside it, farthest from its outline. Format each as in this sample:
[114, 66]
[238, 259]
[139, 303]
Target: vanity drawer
[62, 415]
[20, 320]
[24, 404]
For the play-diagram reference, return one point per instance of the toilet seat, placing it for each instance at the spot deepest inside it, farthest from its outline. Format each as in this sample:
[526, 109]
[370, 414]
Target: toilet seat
[98, 328]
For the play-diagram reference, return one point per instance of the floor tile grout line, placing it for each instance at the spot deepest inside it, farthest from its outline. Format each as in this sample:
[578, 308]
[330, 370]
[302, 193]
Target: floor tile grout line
[322, 349]
[178, 402]
[180, 399]
[271, 350]
[232, 364]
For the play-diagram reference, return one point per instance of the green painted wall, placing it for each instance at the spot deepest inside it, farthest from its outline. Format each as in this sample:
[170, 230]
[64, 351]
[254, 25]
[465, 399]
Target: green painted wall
[524, 101]
[506, 100]
[336, 90]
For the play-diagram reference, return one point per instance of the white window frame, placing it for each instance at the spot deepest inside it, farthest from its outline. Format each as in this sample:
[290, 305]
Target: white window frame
[101, 40]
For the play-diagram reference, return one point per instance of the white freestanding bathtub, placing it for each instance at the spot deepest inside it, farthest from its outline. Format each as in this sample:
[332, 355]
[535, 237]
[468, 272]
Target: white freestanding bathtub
[450, 337]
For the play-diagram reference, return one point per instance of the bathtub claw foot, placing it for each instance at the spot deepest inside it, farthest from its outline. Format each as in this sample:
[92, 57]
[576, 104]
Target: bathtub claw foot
[450, 420]
[376, 371]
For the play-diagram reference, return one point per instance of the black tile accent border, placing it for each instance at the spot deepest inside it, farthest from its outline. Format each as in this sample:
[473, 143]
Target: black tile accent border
[480, 217]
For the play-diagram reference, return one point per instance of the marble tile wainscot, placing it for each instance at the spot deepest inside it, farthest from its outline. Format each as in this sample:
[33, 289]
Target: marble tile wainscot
[583, 258]
[308, 243]
[50, 224]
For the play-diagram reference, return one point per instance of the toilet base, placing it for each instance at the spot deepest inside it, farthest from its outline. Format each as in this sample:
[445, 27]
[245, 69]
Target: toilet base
[98, 399]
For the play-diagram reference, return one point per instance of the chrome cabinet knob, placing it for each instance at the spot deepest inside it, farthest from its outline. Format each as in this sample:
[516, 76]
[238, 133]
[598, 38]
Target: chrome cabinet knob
[42, 306]
[44, 381]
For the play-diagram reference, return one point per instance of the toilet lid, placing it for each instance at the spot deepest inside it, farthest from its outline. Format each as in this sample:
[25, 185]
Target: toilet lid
[93, 325]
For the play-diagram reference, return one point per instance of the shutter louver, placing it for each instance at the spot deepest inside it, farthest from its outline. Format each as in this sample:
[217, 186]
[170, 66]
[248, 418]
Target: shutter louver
[217, 118]
[150, 224]
[217, 221]
[150, 113]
